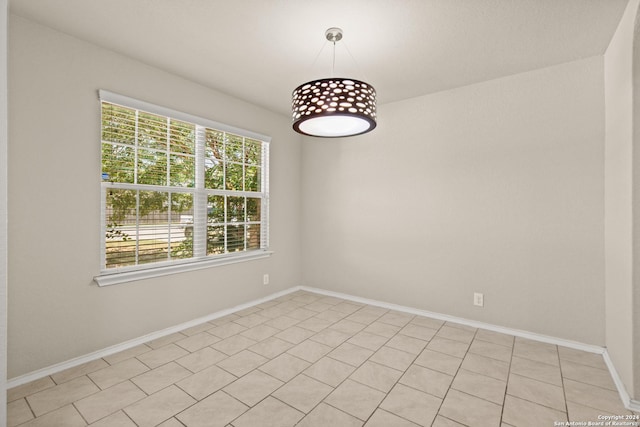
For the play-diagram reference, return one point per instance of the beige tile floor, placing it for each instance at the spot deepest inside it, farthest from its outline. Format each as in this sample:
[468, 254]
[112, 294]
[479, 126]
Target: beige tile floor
[309, 360]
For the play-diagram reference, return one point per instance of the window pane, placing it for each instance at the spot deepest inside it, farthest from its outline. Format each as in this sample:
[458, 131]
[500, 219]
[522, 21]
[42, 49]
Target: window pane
[152, 131]
[234, 177]
[152, 202]
[253, 208]
[183, 137]
[235, 238]
[118, 124]
[153, 227]
[181, 229]
[215, 240]
[153, 245]
[253, 236]
[253, 152]
[119, 252]
[214, 144]
[215, 209]
[181, 204]
[121, 206]
[152, 167]
[182, 249]
[233, 150]
[120, 228]
[118, 163]
[213, 159]
[182, 171]
[253, 177]
[235, 209]
[213, 174]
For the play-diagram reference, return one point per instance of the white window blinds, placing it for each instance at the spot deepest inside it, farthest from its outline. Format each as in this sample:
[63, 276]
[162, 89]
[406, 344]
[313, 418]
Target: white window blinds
[178, 188]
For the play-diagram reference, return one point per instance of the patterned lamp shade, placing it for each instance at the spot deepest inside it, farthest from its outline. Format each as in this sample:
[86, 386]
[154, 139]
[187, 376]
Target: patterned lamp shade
[334, 107]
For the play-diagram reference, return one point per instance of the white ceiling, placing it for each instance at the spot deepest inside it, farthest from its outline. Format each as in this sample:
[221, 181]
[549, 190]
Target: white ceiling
[260, 50]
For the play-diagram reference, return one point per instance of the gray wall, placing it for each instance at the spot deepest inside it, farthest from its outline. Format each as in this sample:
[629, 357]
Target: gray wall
[55, 310]
[3, 206]
[494, 188]
[635, 207]
[618, 229]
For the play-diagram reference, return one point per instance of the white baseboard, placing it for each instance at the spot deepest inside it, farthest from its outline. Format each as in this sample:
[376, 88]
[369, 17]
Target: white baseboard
[632, 405]
[473, 323]
[622, 390]
[58, 367]
[624, 396]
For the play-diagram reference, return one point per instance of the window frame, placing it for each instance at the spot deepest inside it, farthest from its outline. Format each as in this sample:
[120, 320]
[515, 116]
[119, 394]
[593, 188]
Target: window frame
[199, 259]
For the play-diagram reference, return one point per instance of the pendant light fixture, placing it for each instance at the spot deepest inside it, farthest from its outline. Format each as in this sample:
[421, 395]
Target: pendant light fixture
[334, 107]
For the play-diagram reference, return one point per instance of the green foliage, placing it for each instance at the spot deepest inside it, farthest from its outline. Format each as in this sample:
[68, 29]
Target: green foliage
[122, 203]
[184, 249]
[114, 233]
[215, 243]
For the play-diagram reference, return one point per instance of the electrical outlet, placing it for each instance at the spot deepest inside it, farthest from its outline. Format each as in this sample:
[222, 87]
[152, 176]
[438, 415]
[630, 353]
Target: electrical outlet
[478, 299]
[265, 279]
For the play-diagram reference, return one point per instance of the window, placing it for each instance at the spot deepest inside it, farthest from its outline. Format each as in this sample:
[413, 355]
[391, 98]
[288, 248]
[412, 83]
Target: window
[178, 189]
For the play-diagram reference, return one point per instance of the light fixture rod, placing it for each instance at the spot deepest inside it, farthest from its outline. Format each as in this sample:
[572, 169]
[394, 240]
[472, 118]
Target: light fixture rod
[333, 34]
[333, 64]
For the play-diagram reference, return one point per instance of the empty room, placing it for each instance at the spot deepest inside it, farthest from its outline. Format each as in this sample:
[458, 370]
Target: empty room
[341, 213]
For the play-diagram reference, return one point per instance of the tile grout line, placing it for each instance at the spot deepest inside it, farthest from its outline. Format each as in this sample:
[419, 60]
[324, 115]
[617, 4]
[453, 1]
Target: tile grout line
[544, 382]
[73, 404]
[564, 390]
[30, 408]
[506, 385]
[233, 397]
[456, 374]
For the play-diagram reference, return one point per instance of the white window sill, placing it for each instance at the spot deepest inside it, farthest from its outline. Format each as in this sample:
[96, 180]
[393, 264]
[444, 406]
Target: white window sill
[108, 279]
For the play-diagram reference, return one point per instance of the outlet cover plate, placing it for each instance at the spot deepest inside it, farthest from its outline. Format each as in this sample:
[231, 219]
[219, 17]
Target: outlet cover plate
[478, 299]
